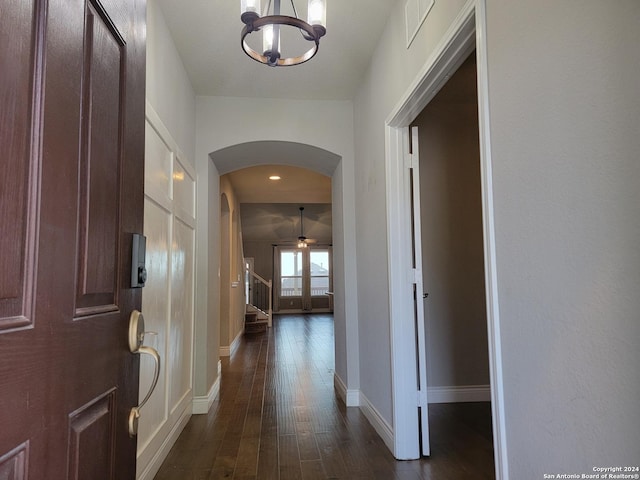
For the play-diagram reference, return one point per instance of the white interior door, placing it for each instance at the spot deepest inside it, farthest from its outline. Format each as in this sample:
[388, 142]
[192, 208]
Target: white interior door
[419, 294]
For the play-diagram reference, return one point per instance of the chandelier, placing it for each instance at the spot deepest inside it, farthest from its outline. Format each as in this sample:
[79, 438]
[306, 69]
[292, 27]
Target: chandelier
[311, 30]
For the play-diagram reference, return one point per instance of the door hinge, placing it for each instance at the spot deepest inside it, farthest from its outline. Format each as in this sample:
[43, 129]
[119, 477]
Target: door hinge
[416, 276]
[422, 398]
[408, 160]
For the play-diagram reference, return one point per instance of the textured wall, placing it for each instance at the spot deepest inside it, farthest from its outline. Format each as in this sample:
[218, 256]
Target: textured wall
[564, 104]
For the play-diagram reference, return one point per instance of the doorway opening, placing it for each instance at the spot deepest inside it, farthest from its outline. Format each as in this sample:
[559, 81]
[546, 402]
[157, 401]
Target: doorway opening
[330, 216]
[465, 35]
[271, 225]
[449, 239]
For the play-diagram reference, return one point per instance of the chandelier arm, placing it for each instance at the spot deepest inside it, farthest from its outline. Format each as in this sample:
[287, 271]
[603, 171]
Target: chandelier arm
[294, 9]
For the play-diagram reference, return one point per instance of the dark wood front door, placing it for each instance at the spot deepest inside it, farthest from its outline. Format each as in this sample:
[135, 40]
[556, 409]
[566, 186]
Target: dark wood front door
[71, 195]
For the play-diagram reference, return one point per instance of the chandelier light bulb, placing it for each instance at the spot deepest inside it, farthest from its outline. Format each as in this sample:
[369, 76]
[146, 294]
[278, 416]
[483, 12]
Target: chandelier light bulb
[249, 9]
[317, 13]
[271, 43]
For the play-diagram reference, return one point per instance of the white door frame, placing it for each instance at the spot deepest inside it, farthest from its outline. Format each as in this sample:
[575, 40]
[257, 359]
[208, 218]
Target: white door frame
[468, 31]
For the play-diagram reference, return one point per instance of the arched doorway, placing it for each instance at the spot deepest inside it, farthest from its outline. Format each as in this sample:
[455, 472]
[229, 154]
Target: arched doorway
[248, 154]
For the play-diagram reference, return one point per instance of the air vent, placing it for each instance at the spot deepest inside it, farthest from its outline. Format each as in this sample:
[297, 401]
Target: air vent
[415, 13]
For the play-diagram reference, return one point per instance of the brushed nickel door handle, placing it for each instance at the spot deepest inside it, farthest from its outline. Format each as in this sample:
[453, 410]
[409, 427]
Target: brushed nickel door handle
[136, 338]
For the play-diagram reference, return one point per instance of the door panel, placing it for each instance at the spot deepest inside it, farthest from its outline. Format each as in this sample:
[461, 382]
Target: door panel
[13, 465]
[184, 192]
[100, 161]
[20, 48]
[71, 147]
[158, 166]
[182, 261]
[100, 165]
[92, 439]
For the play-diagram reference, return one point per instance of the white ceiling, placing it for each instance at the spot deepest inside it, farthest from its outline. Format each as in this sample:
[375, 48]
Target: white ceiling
[269, 210]
[280, 222]
[207, 36]
[297, 185]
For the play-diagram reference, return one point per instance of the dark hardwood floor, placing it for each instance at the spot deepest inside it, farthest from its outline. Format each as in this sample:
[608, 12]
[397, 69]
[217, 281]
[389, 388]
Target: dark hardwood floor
[278, 417]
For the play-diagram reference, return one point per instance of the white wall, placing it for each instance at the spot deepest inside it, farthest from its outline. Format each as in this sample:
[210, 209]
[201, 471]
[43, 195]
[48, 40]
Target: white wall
[208, 369]
[169, 90]
[223, 122]
[565, 104]
[168, 300]
[233, 322]
[225, 273]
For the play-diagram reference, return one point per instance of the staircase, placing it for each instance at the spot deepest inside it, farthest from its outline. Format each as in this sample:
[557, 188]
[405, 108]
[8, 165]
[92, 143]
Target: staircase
[258, 305]
[255, 321]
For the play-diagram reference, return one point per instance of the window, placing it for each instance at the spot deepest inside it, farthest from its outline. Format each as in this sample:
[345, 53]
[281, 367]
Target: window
[319, 260]
[290, 273]
[305, 278]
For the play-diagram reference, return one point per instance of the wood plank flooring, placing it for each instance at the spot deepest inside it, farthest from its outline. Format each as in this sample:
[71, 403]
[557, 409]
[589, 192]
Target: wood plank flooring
[278, 418]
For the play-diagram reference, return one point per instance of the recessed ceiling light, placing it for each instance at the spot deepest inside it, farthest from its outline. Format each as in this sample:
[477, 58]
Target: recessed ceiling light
[274, 177]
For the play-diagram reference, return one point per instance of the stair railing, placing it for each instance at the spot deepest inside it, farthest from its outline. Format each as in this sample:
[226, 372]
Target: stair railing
[260, 294]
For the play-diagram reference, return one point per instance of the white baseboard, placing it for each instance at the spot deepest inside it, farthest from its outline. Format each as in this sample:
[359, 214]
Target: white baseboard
[351, 398]
[379, 424]
[228, 351]
[465, 393]
[202, 404]
[161, 453]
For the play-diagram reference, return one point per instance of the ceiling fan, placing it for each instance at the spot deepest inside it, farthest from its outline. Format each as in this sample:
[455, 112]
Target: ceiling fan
[303, 242]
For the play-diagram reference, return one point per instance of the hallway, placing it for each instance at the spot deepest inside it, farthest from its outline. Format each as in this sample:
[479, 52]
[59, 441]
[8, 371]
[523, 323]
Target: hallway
[277, 417]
